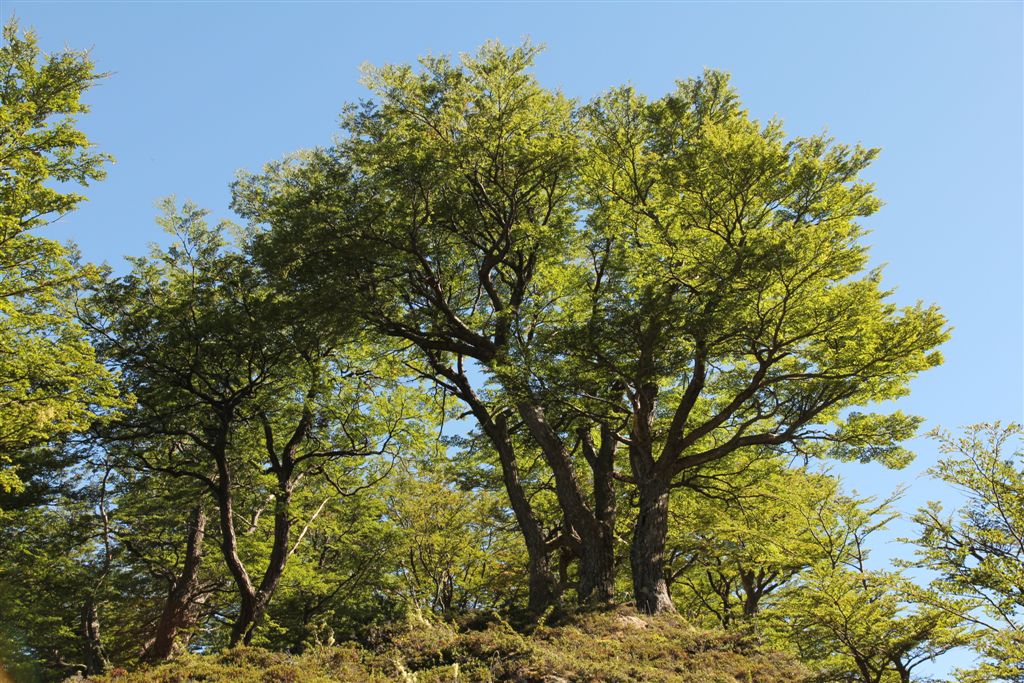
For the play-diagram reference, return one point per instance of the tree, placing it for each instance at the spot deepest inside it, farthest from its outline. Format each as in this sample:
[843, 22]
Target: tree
[50, 381]
[728, 298]
[452, 555]
[978, 550]
[237, 392]
[859, 625]
[852, 622]
[59, 558]
[449, 202]
[668, 273]
[742, 534]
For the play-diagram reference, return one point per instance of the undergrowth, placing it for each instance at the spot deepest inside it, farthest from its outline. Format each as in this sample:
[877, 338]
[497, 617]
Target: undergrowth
[612, 647]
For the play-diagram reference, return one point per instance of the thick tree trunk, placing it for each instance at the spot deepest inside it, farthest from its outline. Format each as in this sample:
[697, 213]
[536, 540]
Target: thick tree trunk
[95, 658]
[650, 531]
[755, 586]
[181, 598]
[597, 574]
[647, 555]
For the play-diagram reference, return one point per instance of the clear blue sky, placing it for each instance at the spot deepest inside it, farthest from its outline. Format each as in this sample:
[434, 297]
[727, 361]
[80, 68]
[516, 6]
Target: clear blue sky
[200, 90]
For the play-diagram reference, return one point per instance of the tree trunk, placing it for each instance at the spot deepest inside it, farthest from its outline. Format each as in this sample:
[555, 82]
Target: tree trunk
[599, 587]
[647, 555]
[180, 600]
[95, 658]
[597, 548]
[255, 602]
[597, 574]
[229, 546]
[755, 586]
[542, 585]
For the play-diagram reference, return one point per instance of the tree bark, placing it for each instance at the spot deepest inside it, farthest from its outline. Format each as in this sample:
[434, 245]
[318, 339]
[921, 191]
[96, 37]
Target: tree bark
[755, 587]
[650, 531]
[180, 600]
[647, 555]
[95, 658]
[596, 540]
[597, 574]
[542, 583]
[253, 600]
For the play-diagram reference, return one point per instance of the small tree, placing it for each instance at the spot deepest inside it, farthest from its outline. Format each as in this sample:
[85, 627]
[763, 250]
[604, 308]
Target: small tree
[237, 392]
[978, 550]
[852, 622]
[745, 531]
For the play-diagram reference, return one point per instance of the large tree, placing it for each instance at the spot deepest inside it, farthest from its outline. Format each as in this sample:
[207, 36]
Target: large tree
[728, 296]
[449, 199]
[670, 275]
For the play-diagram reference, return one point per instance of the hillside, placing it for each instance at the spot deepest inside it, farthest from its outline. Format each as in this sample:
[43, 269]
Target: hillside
[618, 646]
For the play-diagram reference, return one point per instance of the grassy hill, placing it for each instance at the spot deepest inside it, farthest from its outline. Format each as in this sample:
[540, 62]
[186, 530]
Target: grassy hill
[615, 646]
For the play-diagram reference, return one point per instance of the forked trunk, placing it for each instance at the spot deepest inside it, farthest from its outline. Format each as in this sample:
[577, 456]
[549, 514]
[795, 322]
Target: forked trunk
[255, 601]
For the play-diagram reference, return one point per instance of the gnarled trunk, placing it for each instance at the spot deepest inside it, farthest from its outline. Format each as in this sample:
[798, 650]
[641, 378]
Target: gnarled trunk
[647, 555]
[253, 600]
[597, 572]
[180, 600]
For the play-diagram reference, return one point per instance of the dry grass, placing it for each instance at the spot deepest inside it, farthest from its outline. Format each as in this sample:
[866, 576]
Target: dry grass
[611, 647]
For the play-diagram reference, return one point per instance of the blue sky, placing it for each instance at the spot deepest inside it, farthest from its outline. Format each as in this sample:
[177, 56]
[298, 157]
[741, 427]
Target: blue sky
[200, 90]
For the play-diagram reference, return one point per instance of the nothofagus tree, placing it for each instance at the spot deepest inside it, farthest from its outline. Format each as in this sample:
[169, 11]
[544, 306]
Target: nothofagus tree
[235, 392]
[701, 274]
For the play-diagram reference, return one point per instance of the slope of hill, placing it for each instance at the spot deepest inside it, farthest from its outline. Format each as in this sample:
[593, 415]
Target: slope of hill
[617, 646]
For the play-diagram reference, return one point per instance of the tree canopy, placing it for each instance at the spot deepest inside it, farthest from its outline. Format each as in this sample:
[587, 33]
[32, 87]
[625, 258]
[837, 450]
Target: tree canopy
[491, 360]
[51, 383]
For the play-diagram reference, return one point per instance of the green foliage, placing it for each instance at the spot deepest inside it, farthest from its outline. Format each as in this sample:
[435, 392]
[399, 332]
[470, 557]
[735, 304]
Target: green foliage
[850, 622]
[670, 271]
[978, 550]
[857, 624]
[51, 383]
[732, 548]
[453, 555]
[650, 308]
[727, 260]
